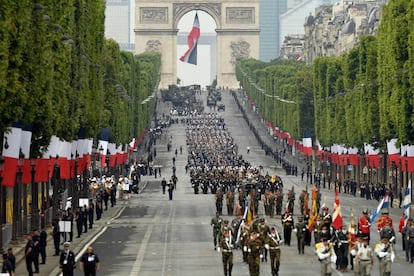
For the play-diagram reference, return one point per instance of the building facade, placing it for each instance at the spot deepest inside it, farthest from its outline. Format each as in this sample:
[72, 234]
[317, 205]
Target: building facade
[118, 23]
[270, 11]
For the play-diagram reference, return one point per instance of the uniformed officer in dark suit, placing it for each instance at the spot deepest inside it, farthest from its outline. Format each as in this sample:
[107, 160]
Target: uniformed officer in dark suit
[28, 253]
[89, 262]
[67, 260]
[56, 236]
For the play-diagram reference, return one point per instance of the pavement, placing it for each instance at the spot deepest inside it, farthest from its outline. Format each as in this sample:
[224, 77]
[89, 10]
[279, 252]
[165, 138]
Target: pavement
[78, 245]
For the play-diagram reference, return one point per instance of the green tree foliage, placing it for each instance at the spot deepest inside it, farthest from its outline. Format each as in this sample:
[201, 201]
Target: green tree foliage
[58, 73]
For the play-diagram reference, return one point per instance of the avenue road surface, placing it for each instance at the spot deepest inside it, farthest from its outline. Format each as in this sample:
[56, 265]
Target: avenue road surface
[155, 236]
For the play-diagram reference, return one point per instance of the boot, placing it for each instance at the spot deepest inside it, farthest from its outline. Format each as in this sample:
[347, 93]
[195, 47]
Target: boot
[230, 269]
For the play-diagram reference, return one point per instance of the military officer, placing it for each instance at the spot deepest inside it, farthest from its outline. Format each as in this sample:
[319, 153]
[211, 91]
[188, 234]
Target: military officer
[219, 201]
[384, 220]
[225, 227]
[264, 230]
[216, 224]
[364, 257]
[272, 244]
[244, 239]
[364, 226]
[386, 256]
[325, 251]
[230, 202]
[255, 249]
[301, 229]
[287, 222]
[226, 248]
[279, 201]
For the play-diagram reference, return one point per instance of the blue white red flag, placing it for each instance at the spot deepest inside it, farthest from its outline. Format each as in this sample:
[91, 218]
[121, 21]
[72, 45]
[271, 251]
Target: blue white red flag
[192, 40]
[382, 205]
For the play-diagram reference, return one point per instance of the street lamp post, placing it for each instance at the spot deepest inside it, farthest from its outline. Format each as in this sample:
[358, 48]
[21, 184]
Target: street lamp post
[107, 161]
[2, 218]
[35, 196]
[56, 188]
[75, 183]
[17, 198]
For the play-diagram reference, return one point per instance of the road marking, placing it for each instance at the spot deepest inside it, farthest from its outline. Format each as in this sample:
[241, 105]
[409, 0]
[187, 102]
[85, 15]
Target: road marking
[164, 261]
[144, 244]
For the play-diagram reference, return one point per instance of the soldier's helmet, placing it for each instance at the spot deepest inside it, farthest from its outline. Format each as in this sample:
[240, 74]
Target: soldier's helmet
[365, 212]
[300, 218]
[226, 221]
[262, 220]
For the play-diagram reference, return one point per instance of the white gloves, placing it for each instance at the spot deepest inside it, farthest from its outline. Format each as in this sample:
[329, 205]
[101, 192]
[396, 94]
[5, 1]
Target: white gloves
[261, 256]
[245, 248]
[382, 254]
[266, 246]
[218, 249]
[392, 257]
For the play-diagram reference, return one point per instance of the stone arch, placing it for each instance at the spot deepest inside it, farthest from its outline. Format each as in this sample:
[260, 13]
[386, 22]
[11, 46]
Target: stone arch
[237, 33]
[211, 9]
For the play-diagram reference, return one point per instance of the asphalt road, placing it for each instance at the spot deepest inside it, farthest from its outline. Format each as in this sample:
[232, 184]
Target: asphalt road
[155, 236]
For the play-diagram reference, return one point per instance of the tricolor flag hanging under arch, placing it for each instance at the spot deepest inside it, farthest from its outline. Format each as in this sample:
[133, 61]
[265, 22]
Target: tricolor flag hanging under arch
[192, 40]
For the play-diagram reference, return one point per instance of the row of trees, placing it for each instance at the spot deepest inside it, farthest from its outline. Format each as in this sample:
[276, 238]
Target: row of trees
[366, 95]
[59, 74]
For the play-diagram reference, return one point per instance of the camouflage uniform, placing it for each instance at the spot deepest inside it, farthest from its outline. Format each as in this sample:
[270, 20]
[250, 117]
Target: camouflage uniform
[216, 223]
[272, 244]
[226, 248]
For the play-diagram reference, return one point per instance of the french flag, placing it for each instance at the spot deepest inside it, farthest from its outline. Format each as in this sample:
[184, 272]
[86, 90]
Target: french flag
[192, 40]
[307, 146]
[382, 205]
[393, 152]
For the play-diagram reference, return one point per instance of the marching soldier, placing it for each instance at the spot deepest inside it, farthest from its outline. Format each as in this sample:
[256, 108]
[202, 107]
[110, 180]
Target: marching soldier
[317, 227]
[219, 201]
[308, 234]
[255, 248]
[325, 251]
[343, 248]
[385, 254]
[301, 229]
[279, 201]
[384, 220]
[230, 202]
[216, 224]
[364, 257]
[245, 238]
[326, 217]
[264, 230]
[226, 248]
[272, 244]
[225, 227]
[364, 226]
[287, 222]
[242, 199]
[272, 202]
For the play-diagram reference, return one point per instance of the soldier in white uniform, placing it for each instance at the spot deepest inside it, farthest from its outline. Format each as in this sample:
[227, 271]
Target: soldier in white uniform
[386, 256]
[364, 257]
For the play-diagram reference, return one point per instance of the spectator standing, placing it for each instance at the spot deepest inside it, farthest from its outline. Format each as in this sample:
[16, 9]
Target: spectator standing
[11, 258]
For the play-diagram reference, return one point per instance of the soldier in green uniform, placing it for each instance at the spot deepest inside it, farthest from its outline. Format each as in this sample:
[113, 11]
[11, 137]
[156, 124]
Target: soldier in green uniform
[226, 248]
[264, 230]
[279, 201]
[219, 201]
[272, 201]
[230, 202]
[216, 224]
[272, 244]
[225, 227]
[255, 249]
[242, 200]
[245, 238]
[300, 229]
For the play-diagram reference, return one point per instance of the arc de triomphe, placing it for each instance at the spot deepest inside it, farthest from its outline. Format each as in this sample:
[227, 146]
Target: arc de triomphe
[237, 33]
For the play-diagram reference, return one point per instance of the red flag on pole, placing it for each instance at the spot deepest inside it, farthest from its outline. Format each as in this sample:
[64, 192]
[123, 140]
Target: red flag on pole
[337, 216]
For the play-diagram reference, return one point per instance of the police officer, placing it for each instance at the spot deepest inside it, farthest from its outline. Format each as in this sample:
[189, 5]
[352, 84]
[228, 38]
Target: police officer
[226, 247]
[364, 257]
[7, 267]
[28, 253]
[56, 236]
[67, 260]
[324, 250]
[89, 262]
[255, 250]
[42, 245]
[385, 254]
[409, 235]
[300, 229]
[216, 224]
[36, 250]
[272, 244]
